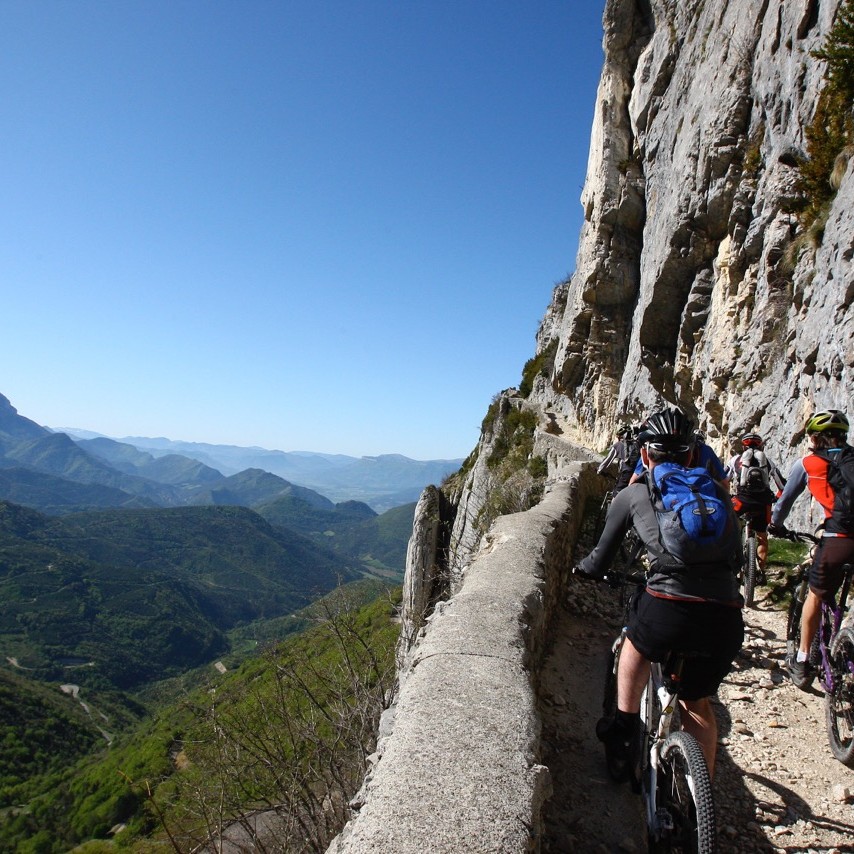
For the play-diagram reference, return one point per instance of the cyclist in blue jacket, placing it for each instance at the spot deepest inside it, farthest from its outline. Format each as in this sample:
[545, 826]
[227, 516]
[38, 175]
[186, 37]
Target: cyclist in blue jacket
[692, 608]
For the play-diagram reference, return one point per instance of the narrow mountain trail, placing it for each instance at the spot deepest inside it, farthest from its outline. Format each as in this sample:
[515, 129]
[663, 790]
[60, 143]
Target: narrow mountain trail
[777, 789]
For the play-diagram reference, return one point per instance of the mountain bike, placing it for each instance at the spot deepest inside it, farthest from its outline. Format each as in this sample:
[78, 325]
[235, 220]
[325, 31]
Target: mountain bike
[831, 654]
[672, 776]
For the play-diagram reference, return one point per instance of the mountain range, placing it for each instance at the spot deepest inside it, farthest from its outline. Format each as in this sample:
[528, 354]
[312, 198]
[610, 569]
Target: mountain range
[382, 482]
[135, 565]
[68, 471]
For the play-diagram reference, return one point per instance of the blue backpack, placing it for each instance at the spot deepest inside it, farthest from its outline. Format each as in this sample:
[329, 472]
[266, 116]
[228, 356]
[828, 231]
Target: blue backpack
[694, 521]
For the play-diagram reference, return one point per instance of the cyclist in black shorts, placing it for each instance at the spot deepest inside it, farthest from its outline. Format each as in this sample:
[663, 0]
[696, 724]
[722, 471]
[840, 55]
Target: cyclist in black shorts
[754, 478]
[686, 607]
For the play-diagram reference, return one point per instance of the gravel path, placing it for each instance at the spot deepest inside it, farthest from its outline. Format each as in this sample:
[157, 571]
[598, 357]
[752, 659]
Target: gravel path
[778, 788]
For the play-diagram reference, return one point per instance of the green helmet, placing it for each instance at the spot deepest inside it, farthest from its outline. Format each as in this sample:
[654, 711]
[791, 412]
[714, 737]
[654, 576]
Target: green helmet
[830, 419]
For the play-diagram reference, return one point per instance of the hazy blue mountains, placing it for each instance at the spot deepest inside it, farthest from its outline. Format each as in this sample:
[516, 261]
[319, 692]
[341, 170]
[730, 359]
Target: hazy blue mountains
[382, 482]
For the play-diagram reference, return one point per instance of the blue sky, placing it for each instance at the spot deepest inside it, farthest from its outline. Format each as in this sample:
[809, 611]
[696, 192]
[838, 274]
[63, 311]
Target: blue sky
[321, 225]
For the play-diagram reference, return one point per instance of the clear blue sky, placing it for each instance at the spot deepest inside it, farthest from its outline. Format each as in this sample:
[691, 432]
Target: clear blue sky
[322, 225]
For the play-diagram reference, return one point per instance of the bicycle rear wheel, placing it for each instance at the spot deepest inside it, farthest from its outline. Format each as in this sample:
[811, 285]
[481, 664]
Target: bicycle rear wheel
[686, 808]
[749, 568]
[839, 703]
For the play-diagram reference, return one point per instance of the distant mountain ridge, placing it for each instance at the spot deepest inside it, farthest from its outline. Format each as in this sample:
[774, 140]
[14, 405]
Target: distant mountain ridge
[383, 481]
[67, 471]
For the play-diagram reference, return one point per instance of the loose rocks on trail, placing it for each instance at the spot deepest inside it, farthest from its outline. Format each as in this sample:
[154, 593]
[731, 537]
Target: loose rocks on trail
[777, 787]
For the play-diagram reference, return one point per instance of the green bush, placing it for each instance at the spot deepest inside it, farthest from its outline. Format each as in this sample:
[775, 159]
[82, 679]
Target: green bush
[832, 126]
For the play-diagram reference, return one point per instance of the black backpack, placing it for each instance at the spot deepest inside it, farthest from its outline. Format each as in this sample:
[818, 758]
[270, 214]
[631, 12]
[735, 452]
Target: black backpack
[754, 475]
[840, 477]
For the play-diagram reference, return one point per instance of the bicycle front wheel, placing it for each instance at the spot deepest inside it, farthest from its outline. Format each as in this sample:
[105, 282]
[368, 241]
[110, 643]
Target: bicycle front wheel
[749, 569]
[685, 816]
[839, 703]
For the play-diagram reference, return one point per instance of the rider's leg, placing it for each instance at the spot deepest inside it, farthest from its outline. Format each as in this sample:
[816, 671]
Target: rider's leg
[761, 549]
[810, 618]
[698, 719]
[632, 677]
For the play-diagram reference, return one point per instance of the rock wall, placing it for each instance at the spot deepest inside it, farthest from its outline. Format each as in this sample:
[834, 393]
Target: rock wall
[688, 288]
[457, 764]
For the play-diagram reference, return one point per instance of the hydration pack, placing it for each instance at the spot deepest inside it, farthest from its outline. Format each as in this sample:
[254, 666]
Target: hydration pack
[695, 523]
[754, 473]
[840, 477]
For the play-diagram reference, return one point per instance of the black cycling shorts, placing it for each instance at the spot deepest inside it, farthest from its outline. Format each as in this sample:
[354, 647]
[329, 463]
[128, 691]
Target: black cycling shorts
[759, 511]
[826, 573]
[710, 634]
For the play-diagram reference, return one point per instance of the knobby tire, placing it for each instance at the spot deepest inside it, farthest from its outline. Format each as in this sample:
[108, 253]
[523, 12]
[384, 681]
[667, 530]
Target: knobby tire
[685, 791]
[749, 569]
[839, 703]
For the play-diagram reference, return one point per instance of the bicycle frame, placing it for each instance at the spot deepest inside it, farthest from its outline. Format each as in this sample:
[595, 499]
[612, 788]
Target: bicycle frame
[831, 616]
[667, 699]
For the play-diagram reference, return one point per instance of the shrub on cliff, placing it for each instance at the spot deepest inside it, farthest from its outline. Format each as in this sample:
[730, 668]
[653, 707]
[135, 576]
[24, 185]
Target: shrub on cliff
[832, 126]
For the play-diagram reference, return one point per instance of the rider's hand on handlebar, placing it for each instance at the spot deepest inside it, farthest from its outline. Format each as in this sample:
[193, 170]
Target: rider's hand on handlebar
[581, 572]
[779, 531]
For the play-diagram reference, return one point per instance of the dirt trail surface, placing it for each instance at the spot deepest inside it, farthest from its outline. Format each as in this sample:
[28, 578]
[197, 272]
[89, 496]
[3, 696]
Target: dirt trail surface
[777, 786]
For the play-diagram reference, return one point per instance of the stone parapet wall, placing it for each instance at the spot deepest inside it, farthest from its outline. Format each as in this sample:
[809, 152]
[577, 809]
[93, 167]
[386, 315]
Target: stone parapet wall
[459, 769]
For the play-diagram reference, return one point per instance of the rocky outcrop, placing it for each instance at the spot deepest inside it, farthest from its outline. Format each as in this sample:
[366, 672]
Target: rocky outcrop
[693, 283]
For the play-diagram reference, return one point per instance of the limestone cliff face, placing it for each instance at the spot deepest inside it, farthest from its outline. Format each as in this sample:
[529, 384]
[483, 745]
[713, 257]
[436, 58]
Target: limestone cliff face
[694, 284]
[686, 289]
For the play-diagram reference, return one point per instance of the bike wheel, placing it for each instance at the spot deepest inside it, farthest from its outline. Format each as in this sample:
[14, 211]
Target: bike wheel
[686, 807]
[839, 703]
[749, 569]
[793, 625]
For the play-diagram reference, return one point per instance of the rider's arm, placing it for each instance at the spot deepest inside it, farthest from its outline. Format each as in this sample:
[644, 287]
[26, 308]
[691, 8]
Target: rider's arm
[608, 460]
[796, 483]
[778, 478]
[617, 524]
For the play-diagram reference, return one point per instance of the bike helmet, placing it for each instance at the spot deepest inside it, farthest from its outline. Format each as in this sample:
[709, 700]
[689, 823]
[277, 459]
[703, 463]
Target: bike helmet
[830, 419]
[753, 440]
[668, 430]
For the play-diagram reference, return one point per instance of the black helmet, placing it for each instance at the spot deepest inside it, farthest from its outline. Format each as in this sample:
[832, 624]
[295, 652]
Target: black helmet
[832, 420]
[668, 430]
[625, 431]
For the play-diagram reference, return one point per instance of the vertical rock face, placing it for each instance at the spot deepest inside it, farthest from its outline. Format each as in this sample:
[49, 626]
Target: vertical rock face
[695, 284]
[687, 287]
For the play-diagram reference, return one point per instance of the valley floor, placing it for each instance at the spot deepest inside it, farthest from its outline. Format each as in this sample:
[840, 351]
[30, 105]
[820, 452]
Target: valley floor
[778, 788]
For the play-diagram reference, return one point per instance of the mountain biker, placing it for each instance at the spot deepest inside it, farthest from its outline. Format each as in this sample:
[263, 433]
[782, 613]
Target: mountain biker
[702, 456]
[751, 473]
[827, 432]
[689, 607]
[617, 451]
[626, 452]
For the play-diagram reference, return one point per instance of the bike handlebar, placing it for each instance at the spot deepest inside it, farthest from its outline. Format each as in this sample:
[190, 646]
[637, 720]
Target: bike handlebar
[797, 536]
[616, 579]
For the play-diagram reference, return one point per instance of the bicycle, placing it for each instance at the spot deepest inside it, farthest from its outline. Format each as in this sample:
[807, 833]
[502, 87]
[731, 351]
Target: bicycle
[831, 653]
[672, 776]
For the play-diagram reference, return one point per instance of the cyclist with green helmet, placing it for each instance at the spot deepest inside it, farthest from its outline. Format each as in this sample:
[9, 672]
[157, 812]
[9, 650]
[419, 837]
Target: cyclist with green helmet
[821, 472]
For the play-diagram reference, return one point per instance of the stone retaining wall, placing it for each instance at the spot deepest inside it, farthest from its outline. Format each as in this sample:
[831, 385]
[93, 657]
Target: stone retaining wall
[459, 769]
